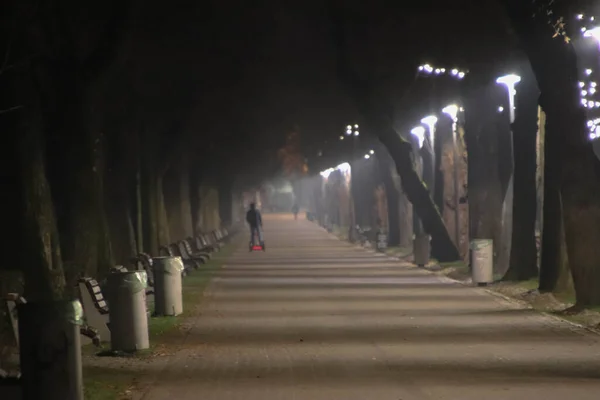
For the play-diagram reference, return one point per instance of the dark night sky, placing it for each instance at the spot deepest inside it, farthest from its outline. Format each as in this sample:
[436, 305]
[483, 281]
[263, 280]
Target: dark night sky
[249, 72]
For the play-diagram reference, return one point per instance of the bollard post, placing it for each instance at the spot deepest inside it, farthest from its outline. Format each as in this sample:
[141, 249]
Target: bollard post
[50, 350]
[126, 293]
[168, 297]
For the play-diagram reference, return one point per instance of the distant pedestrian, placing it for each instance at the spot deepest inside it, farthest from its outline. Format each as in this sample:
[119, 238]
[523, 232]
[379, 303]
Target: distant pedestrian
[254, 219]
[295, 210]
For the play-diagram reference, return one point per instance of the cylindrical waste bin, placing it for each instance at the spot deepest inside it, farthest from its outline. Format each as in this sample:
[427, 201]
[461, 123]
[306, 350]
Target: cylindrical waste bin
[50, 350]
[126, 294]
[168, 299]
[421, 250]
[482, 261]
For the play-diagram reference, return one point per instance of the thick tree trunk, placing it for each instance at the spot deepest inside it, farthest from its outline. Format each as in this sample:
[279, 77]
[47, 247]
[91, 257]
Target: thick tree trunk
[139, 208]
[226, 201]
[555, 65]
[185, 202]
[162, 220]
[523, 253]
[40, 254]
[484, 186]
[118, 201]
[195, 200]
[150, 208]
[173, 203]
[555, 275]
[393, 197]
[209, 208]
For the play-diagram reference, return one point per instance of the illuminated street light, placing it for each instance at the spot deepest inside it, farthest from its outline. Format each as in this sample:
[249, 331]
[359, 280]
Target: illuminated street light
[371, 151]
[510, 82]
[427, 69]
[419, 133]
[452, 111]
[593, 33]
[344, 167]
[325, 174]
[367, 156]
[430, 121]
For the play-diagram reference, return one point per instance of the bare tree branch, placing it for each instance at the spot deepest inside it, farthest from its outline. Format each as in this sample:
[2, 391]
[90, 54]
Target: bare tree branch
[11, 109]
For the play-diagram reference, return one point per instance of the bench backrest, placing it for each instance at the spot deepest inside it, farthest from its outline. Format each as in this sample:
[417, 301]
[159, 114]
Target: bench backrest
[206, 240]
[175, 252]
[95, 293]
[146, 261]
[11, 301]
[118, 268]
[183, 250]
[188, 247]
[192, 244]
[165, 251]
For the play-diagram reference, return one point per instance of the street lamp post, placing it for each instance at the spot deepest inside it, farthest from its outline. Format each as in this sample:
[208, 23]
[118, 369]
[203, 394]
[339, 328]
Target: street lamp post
[430, 122]
[452, 112]
[352, 130]
[419, 133]
[509, 81]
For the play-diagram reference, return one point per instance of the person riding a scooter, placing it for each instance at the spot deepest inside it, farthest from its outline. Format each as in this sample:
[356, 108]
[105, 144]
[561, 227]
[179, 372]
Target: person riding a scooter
[254, 219]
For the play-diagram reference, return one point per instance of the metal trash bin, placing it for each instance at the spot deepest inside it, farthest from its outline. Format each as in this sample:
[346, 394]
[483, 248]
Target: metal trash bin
[126, 294]
[168, 297]
[482, 261]
[421, 249]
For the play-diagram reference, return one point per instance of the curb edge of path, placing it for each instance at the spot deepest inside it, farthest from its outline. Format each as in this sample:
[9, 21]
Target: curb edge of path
[512, 302]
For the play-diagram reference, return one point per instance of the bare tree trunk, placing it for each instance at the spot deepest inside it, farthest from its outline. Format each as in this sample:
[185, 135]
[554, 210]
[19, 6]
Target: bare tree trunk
[484, 186]
[555, 275]
[555, 65]
[162, 220]
[185, 208]
[139, 211]
[523, 254]
[393, 197]
[41, 256]
[150, 208]
[173, 202]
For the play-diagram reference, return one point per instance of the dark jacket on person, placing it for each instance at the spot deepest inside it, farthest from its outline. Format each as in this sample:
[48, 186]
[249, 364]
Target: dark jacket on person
[254, 218]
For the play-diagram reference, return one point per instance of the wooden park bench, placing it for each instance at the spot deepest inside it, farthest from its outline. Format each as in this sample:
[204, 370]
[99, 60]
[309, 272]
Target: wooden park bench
[185, 249]
[209, 240]
[95, 307]
[197, 245]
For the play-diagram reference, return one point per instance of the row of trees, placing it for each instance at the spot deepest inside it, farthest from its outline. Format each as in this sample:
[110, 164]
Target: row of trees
[105, 156]
[571, 189]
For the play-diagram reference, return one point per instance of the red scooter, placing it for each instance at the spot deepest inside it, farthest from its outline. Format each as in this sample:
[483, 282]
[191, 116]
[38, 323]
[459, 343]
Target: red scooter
[256, 247]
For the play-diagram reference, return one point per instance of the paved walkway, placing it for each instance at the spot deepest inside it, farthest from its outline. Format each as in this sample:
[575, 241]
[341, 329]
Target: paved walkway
[315, 318]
